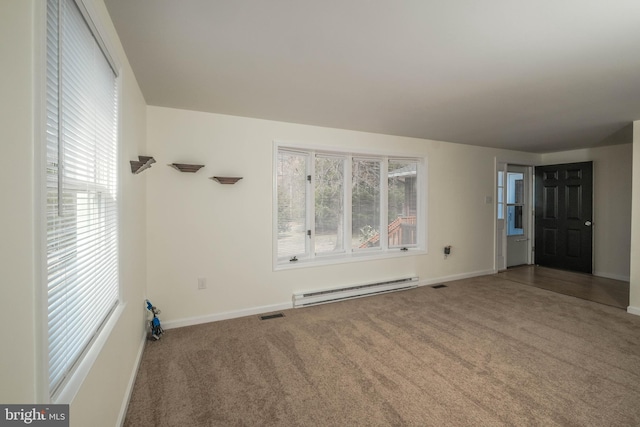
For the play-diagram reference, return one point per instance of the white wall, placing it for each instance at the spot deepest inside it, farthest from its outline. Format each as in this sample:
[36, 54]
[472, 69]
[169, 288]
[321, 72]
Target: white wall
[199, 228]
[634, 294]
[17, 305]
[612, 169]
[100, 399]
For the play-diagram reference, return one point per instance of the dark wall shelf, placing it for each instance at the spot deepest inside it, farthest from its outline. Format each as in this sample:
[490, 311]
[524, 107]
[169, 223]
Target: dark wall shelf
[184, 167]
[143, 163]
[226, 179]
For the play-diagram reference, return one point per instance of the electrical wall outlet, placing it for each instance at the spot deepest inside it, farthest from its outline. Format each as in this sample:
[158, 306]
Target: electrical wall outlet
[202, 283]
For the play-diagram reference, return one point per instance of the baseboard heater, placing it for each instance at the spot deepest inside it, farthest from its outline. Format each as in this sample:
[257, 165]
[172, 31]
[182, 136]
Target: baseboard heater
[307, 298]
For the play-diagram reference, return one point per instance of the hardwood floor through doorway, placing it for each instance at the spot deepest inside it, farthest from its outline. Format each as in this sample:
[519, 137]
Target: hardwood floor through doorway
[610, 292]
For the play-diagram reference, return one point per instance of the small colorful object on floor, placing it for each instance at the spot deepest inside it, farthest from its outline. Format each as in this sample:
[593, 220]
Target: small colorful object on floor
[154, 324]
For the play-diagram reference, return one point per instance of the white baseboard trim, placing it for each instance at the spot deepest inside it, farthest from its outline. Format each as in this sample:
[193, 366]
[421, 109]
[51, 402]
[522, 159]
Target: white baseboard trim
[612, 276]
[451, 278]
[132, 381]
[190, 321]
[633, 310]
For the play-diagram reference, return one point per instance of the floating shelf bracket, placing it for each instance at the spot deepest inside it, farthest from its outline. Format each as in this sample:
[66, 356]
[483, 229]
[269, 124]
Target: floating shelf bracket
[143, 163]
[184, 167]
[226, 179]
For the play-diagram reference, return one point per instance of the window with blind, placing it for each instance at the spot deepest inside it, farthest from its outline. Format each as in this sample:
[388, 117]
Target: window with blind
[334, 207]
[81, 187]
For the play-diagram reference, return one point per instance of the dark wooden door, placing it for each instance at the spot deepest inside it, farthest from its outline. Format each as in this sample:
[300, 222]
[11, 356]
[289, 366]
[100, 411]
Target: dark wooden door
[563, 216]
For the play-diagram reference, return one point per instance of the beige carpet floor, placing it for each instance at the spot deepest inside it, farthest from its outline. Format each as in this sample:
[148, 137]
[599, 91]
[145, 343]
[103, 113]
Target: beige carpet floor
[479, 352]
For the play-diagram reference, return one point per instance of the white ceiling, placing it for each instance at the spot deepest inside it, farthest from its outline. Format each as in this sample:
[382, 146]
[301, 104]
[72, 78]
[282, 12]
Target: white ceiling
[540, 76]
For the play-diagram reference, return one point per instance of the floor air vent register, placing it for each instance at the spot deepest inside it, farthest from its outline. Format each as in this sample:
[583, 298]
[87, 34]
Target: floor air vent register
[271, 316]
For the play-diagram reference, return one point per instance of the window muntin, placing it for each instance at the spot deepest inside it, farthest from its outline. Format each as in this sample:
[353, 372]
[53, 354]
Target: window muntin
[500, 195]
[346, 198]
[515, 203]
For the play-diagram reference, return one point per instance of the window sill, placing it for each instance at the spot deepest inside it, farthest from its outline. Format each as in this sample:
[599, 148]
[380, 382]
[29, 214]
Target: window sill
[345, 258]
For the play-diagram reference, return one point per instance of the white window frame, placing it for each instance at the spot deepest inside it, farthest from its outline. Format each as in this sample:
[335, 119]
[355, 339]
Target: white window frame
[350, 254]
[74, 379]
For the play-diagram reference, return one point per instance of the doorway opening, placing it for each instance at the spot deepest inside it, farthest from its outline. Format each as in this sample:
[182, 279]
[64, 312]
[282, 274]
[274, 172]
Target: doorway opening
[514, 224]
[518, 215]
[551, 226]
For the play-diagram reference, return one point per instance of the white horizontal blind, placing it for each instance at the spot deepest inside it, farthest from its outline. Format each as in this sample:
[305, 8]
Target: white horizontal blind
[81, 186]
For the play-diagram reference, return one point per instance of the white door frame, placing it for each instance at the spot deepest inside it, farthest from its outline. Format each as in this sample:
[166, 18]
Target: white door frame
[500, 213]
[500, 243]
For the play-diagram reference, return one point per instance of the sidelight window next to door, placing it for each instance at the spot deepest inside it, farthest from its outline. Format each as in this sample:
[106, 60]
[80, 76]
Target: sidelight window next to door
[515, 203]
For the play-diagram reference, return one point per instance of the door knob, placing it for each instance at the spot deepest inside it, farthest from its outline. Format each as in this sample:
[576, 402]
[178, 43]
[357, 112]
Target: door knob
[588, 223]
